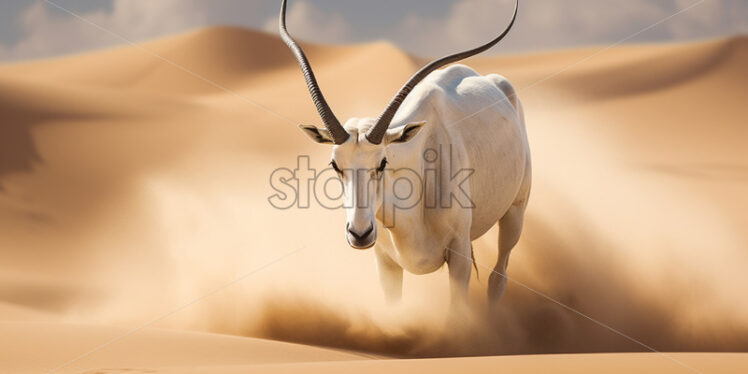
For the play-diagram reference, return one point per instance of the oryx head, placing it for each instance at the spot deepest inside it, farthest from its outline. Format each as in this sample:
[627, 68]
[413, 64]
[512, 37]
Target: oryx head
[359, 154]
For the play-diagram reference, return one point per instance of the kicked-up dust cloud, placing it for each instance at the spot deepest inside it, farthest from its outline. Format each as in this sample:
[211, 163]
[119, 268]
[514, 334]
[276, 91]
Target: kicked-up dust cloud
[605, 309]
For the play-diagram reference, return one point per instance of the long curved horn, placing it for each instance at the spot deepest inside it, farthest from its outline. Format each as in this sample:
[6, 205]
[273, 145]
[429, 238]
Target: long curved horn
[331, 122]
[376, 134]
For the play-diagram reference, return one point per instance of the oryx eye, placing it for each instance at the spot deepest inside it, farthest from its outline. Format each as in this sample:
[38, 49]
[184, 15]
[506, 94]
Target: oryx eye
[382, 165]
[335, 167]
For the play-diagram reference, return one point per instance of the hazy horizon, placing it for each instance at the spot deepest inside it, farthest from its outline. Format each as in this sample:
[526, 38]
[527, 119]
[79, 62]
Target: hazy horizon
[39, 29]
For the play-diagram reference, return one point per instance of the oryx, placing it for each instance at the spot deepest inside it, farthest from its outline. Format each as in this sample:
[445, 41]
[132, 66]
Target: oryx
[440, 123]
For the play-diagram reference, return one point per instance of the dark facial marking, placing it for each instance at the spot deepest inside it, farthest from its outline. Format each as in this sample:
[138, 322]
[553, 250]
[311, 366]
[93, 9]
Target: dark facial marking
[335, 167]
[382, 165]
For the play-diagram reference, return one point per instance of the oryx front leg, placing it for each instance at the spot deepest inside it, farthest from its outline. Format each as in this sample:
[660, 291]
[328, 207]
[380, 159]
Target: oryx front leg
[459, 262]
[390, 276]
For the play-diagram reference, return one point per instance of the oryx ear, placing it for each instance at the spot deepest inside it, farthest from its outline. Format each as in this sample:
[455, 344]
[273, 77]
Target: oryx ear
[321, 136]
[404, 133]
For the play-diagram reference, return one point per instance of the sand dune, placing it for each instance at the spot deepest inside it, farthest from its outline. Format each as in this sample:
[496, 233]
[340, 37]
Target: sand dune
[609, 363]
[130, 187]
[150, 348]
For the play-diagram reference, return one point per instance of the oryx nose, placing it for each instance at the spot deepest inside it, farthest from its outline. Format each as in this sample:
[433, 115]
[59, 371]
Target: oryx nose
[360, 236]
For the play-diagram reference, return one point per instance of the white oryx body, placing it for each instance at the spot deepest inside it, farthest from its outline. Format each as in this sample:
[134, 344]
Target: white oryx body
[405, 171]
[475, 124]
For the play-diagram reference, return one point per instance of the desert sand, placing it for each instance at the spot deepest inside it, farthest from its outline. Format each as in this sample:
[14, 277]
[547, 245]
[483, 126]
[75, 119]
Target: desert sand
[136, 234]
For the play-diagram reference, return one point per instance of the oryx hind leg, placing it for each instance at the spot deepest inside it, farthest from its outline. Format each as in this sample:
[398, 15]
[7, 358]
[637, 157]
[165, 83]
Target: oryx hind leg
[510, 229]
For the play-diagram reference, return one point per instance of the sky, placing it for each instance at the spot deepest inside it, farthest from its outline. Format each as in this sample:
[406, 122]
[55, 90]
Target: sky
[31, 29]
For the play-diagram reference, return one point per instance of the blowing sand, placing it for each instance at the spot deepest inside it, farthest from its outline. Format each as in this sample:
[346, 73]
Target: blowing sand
[134, 215]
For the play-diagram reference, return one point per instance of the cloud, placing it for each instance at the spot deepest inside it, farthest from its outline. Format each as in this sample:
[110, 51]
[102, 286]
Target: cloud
[48, 31]
[711, 18]
[553, 24]
[42, 37]
[311, 24]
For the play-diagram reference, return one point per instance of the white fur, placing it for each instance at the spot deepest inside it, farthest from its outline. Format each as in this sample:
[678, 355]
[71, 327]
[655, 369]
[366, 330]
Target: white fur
[480, 121]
